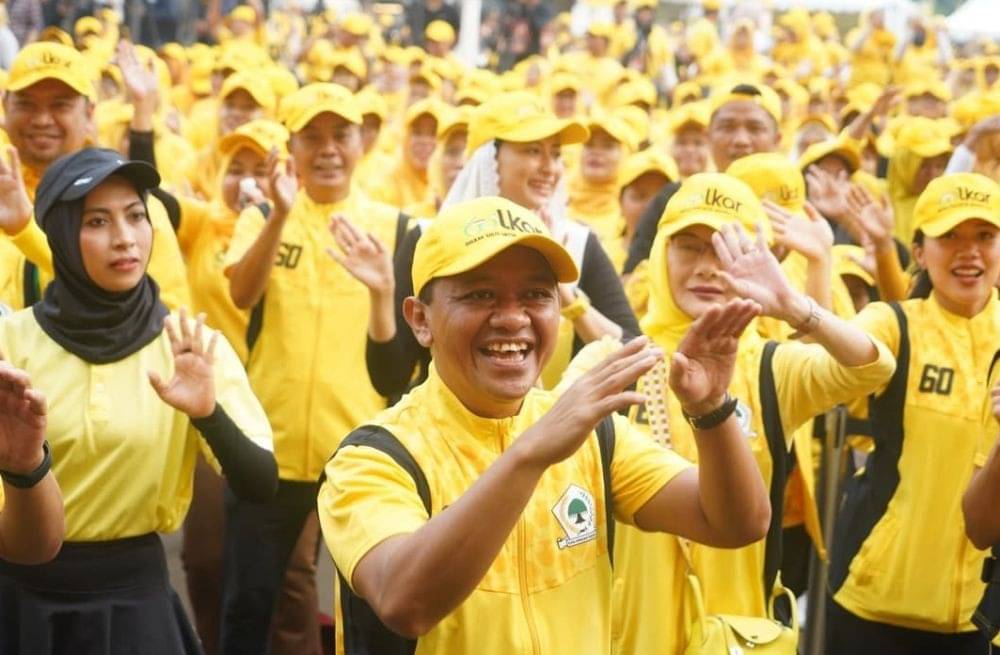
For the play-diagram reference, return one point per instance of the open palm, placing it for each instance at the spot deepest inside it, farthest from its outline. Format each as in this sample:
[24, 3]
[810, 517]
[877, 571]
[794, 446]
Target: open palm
[192, 388]
[750, 270]
[702, 366]
[362, 255]
[15, 206]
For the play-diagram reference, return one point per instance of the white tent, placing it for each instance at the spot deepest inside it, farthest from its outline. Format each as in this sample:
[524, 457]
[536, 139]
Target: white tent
[976, 18]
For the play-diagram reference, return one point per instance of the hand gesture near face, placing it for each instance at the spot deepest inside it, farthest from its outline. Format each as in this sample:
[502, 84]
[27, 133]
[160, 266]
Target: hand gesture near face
[362, 255]
[22, 421]
[750, 271]
[192, 389]
[15, 206]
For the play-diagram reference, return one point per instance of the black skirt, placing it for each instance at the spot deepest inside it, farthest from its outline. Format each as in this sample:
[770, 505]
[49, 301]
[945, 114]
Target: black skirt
[103, 598]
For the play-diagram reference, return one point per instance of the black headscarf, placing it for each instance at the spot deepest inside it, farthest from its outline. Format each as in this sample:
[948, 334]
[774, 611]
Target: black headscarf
[96, 325]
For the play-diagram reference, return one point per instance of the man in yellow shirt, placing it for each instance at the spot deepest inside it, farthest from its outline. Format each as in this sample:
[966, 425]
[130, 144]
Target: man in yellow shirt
[306, 344]
[526, 541]
[48, 113]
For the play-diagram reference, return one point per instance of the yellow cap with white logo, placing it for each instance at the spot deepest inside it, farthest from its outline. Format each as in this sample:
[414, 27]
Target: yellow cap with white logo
[714, 200]
[956, 198]
[471, 233]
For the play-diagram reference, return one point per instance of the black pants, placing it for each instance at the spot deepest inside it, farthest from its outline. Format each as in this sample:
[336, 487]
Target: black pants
[259, 541]
[847, 634]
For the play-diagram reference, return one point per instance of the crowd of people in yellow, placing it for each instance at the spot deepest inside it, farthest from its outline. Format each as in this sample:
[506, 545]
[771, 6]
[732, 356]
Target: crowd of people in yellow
[540, 349]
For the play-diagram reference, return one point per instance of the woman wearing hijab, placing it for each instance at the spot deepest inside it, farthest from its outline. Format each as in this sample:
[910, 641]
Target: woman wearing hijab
[698, 260]
[408, 183]
[515, 143]
[131, 388]
[922, 148]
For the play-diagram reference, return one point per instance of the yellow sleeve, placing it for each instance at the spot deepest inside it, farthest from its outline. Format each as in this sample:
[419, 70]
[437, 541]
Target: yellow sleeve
[366, 499]
[166, 265]
[639, 469]
[991, 425]
[34, 245]
[809, 381]
[194, 214]
[248, 227]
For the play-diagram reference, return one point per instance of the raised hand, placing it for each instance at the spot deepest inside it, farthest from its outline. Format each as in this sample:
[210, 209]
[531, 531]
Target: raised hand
[142, 84]
[750, 271]
[701, 368]
[599, 392]
[283, 184]
[192, 389]
[15, 206]
[22, 421]
[874, 219]
[828, 193]
[809, 236]
[362, 255]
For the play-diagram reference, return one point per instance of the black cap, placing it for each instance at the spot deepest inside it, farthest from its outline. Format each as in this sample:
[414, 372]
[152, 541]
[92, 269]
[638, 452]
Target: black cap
[74, 176]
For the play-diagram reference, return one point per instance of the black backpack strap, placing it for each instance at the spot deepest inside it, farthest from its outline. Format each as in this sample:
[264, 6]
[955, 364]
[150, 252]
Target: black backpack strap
[780, 464]
[993, 365]
[866, 496]
[402, 227]
[606, 442]
[32, 287]
[364, 632]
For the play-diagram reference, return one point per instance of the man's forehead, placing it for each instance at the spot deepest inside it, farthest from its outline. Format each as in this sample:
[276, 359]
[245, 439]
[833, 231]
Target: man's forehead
[518, 263]
[741, 109]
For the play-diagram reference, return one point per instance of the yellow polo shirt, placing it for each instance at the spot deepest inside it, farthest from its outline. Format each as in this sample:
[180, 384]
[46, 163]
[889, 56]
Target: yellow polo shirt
[540, 595]
[124, 459]
[916, 568]
[307, 365]
[204, 235]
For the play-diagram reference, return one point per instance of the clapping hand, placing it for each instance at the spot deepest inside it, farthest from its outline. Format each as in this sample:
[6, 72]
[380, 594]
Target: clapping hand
[362, 255]
[192, 389]
[751, 271]
[874, 219]
[284, 186]
[810, 236]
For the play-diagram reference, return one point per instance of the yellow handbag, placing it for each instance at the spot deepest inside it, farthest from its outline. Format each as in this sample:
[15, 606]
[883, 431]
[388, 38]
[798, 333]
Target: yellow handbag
[728, 634]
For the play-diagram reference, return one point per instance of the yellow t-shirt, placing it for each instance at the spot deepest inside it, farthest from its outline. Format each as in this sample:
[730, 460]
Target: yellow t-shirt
[542, 595]
[307, 364]
[916, 568]
[124, 459]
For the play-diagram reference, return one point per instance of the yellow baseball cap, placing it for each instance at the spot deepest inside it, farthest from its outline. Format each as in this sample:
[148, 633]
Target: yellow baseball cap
[426, 107]
[685, 92]
[254, 83]
[521, 117]
[712, 199]
[634, 92]
[953, 199]
[260, 135]
[772, 176]
[51, 61]
[932, 87]
[352, 60]
[452, 120]
[357, 24]
[244, 13]
[471, 233]
[837, 147]
[759, 94]
[614, 124]
[372, 102]
[88, 25]
[563, 81]
[440, 31]
[925, 137]
[601, 28]
[53, 34]
[314, 99]
[696, 113]
[650, 160]
[844, 256]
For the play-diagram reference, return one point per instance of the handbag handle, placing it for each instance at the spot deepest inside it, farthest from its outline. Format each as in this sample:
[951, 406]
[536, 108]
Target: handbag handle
[779, 591]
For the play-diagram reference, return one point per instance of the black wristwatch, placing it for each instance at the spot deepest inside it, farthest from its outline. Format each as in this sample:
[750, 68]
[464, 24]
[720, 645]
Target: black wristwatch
[29, 480]
[715, 417]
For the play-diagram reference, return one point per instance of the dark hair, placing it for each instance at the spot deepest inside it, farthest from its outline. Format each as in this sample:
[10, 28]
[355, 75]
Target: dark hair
[922, 284]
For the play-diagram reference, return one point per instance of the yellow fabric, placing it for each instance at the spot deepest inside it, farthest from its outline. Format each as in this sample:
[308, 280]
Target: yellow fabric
[308, 363]
[204, 235]
[124, 459]
[403, 186]
[889, 580]
[918, 139]
[872, 62]
[595, 205]
[534, 592]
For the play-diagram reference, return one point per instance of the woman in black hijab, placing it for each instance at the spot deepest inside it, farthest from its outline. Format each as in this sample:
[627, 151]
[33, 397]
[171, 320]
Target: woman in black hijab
[123, 447]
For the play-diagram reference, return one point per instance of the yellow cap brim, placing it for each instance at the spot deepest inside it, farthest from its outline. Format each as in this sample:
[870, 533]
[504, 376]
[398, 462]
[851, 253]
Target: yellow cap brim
[543, 127]
[83, 88]
[232, 143]
[932, 148]
[559, 259]
[350, 114]
[713, 221]
[953, 217]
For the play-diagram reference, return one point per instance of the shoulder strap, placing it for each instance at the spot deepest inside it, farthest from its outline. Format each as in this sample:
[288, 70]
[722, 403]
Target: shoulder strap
[402, 225]
[606, 442]
[256, 322]
[364, 632]
[775, 435]
[993, 365]
[377, 437]
[30, 283]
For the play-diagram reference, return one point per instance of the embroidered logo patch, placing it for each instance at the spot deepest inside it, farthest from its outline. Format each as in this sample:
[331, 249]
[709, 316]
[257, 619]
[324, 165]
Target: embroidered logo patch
[576, 514]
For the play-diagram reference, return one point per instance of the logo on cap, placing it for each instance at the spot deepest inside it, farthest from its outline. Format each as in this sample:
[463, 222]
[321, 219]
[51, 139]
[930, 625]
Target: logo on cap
[716, 198]
[505, 219]
[82, 180]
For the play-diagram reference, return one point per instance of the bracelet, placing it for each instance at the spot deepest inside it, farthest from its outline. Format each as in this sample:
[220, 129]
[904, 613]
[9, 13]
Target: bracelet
[812, 321]
[714, 418]
[29, 480]
[577, 308]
